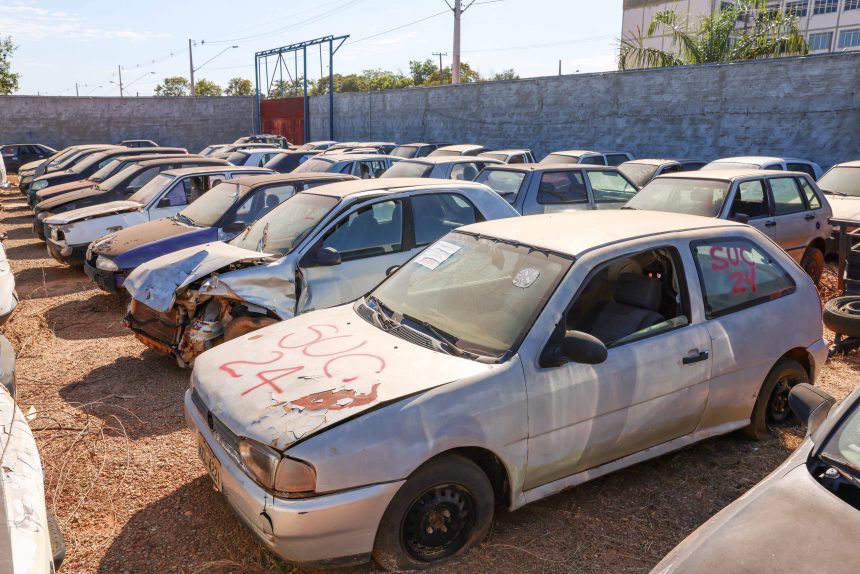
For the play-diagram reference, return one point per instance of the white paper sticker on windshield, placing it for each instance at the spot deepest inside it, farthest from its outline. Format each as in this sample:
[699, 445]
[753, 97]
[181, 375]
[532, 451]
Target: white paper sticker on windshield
[434, 256]
[525, 277]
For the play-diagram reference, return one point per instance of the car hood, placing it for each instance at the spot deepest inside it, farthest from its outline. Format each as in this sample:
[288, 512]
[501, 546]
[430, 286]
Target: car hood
[57, 177]
[295, 378]
[32, 165]
[774, 528]
[155, 282]
[844, 207]
[92, 211]
[148, 240]
[61, 188]
[50, 204]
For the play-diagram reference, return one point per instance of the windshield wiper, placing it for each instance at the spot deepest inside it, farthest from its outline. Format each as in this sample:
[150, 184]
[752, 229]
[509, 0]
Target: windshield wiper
[265, 236]
[628, 207]
[846, 470]
[184, 219]
[830, 192]
[448, 340]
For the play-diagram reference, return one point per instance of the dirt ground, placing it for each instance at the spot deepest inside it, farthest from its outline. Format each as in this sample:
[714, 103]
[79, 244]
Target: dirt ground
[124, 480]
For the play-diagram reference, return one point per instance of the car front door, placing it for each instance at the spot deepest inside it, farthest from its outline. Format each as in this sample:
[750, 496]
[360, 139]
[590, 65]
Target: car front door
[795, 222]
[751, 199]
[653, 386]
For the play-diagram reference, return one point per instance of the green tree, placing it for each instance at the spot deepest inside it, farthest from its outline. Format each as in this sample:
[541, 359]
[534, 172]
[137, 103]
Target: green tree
[239, 87]
[508, 74]
[744, 30]
[467, 75]
[421, 71]
[204, 87]
[288, 88]
[173, 86]
[8, 80]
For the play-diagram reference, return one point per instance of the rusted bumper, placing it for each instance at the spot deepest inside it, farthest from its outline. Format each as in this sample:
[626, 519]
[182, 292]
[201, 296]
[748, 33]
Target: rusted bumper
[329, 529]
[156, 330]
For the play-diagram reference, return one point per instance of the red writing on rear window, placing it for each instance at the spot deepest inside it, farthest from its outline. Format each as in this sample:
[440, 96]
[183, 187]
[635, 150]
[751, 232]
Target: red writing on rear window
[738, 263]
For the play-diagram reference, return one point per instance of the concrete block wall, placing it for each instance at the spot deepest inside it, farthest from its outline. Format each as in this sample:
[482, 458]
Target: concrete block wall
[191, 123]
[806, 107]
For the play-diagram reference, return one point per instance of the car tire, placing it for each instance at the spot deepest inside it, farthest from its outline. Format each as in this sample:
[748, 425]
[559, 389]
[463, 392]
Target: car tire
[771, 405]
[813, 263]
[449, 491]
[842, 315]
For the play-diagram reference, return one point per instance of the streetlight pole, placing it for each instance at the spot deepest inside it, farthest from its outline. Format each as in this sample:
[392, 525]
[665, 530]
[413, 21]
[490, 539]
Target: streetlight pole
[191, 65]
[191, 62]
[440, 54]
[119, 70]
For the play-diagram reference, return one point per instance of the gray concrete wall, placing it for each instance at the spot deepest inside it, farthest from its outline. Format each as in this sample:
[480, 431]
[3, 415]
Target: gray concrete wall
[807, 107]
[191, 123]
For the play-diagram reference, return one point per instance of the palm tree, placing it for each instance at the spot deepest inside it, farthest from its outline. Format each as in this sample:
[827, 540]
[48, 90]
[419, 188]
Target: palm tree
[744, 30]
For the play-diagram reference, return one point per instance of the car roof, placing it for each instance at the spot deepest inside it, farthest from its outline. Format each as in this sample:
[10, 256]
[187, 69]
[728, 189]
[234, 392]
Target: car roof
[460, 147]
[754, 159]
[854, 163]
[549, 167]
[166, 160]
[648, 161]
[336, 157]
[576, 152]
[728, 174]
[575, 232]
[255, 149]
[508, 151]
[255, 180]
[414, 144]
[388, 186]
[451, 159]
[209, 168]
[155, 156]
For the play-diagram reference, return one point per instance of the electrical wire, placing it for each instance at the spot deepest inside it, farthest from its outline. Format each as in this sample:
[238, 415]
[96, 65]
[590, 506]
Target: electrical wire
[544, 45]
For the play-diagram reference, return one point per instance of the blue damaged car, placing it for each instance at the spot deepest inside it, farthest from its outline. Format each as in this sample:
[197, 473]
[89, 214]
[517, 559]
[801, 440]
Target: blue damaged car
[220, 214]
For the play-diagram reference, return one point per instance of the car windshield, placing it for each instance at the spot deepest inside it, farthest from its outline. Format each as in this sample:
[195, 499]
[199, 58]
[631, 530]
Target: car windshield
[282, 229]
[238, 157]
[445, 152]
[117, 178]
[209, 207]
[70, 160]
[480, 294]
[87, 162]
[609, 186]
[62, 157]
[638, 173]
[408, 169]
[106, 171]
[728, 165]
[498, 156]
[315, 165]
[841, 180]
[559, 158]
[676, 195]
[405, 151]
[843, 446]
[152, 188]
[505, 183]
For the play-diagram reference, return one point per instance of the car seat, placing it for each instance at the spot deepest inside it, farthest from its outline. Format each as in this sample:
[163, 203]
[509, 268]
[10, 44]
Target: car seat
[634, 306]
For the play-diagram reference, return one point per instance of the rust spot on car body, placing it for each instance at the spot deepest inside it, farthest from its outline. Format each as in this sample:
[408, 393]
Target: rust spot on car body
[336, 400]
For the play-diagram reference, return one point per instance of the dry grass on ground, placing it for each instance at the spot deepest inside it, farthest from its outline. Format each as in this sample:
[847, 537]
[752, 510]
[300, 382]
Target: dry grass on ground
[123, 478]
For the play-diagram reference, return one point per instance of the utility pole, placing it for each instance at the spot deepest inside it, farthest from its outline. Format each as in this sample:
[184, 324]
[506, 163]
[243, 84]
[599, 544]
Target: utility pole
[191, 65]
[76, 90]
[119, 71]
[440, 54]
[559, 67]
[458, 10]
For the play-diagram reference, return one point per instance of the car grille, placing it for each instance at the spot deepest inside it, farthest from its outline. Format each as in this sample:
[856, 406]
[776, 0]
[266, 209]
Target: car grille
[227, 438]
[163, 327]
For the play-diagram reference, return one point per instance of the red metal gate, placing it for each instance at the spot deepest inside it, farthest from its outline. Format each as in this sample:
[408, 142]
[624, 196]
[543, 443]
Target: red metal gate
[284, 117]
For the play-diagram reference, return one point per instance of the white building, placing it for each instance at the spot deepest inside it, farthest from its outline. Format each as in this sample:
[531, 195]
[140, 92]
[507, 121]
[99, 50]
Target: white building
[829, 25]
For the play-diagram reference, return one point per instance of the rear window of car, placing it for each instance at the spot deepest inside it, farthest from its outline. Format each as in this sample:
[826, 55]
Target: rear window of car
[409, 169]
[638, 173]
[735, 274]
[314, 165]
[680, 195]
[505, 183]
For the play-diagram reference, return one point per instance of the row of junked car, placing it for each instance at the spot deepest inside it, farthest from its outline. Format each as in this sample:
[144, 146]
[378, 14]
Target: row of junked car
[333, 320]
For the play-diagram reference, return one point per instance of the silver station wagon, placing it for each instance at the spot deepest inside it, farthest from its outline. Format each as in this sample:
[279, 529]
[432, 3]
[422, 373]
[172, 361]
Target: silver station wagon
[508, 361]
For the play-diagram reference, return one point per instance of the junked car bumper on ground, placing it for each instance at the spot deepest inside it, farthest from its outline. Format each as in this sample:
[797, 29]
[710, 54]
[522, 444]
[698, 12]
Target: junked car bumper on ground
[337, 528]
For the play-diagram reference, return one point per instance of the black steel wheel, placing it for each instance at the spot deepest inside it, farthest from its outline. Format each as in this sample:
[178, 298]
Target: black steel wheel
[438, 523]
[771, 405]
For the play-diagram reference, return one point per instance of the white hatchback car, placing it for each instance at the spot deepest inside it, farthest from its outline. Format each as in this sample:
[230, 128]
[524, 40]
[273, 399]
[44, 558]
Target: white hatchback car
[508, 361]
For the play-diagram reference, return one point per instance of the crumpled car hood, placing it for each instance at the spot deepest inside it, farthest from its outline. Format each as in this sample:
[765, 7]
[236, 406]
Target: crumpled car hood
[155, 282]
[272, 286]
[91, 211]
[844, 207]
[295, 378]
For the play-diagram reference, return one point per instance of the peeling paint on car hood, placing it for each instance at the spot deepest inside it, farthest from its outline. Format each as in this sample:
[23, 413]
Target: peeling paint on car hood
[94, 211]
[298, 377]
[155, 282]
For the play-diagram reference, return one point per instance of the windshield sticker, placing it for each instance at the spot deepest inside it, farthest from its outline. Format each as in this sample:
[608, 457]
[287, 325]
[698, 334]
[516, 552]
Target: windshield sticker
[436, 255]
[739, 264]
[525, 277]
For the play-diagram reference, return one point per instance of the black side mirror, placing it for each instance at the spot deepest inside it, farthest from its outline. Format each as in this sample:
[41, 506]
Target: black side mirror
[235, 227]
[741, 218]
[327, 257]
[810, 404]
[575, 347]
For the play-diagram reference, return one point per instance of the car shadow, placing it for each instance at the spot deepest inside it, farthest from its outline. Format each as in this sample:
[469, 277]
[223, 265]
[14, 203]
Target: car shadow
[51, 281]
[98, 317]
[22, 233]
[144, 394]
[15, 219]
[31, 250]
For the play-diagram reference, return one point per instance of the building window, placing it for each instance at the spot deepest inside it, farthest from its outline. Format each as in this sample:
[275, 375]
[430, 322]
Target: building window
[852, 4]
[825, 6]
[799, 8]
[849, 38]
[820, 41]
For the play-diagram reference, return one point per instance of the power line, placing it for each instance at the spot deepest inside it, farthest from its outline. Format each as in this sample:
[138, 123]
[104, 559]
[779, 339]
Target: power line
[544, 45]
[399, 27]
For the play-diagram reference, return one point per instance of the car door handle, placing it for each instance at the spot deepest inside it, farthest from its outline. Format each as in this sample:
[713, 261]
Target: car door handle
[809, 217]
[702, 356]
[770, 224]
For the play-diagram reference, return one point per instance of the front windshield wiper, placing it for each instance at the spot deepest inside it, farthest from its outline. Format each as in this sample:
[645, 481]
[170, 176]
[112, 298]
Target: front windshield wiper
[831, 192]
[449, 341]
[628, 207]
[262, 242]
[184, 219]
[846, 470]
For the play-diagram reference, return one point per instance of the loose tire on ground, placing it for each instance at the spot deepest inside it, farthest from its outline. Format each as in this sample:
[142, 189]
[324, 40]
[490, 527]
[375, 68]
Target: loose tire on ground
[813, 263]
[445, 508]
[771, 406]
[842, 315]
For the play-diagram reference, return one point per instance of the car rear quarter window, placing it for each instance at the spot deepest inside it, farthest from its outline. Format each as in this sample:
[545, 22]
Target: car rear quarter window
[736, 273]
[562, 187]
[438, 213]
[505, 183]
[811, 197]
[801, 167]
[616, 158]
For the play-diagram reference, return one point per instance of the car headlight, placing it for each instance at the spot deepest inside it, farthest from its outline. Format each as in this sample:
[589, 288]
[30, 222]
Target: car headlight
[274, 472]
[42, 215]
[39, 185]
[106, 264]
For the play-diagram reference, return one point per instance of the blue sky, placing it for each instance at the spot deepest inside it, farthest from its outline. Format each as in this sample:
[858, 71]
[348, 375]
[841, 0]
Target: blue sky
[61, 42]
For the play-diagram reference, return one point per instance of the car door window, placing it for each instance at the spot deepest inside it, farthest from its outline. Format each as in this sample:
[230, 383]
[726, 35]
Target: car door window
[616, 159]
[518, 158]
[372, 230]
[465, 171]
[736, 273]
[811, 197]
[592, 160]
[631, 298]
[437, 214]
[260, 203]
[750, 199]
[609, 187]
[141, 179]
[786, 196]
[178, 194]
[562, 187]
[801, 167]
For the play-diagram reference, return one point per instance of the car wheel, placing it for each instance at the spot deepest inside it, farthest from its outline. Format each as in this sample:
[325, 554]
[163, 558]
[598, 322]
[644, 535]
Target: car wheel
[771, 406]
[813, 263]
[842, 315]
[443, 509]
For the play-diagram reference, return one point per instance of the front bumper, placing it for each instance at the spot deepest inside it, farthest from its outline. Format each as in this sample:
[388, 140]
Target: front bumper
[73, 255]
[109, 281]
[335, 528]
[39, 228]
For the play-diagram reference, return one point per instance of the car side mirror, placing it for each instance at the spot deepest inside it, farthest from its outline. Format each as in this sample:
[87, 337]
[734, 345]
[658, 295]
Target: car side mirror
[388, 271]
[575, 347]
[810, 405]
[163, 202]
[327, 257]
[741, 218]
[235, 227]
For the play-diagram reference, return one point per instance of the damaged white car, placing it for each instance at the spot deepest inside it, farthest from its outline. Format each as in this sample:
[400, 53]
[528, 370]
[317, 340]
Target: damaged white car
[510, 360]
[318, 249]
[8, 295]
